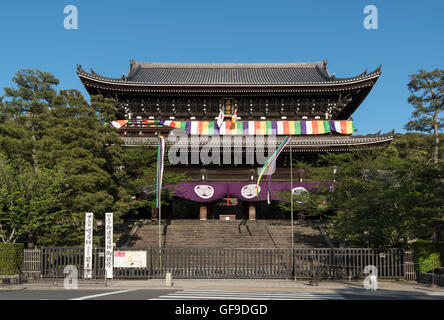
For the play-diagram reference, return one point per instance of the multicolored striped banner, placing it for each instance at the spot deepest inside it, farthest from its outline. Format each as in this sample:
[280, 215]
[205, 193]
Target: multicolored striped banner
[270, 164]
[245, 128]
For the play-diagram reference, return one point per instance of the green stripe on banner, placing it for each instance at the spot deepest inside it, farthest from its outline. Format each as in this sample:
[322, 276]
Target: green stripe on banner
[327, 126]
[183, 125]
[211, 128]
[269, 127]
[297, 127]
[240, 128]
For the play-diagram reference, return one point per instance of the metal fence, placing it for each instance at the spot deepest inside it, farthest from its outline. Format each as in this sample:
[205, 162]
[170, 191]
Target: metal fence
[410, 269]
[226, 263]
[32, 263]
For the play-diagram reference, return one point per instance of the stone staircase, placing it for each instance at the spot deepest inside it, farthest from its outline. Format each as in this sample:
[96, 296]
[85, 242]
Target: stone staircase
[227, 234]
[306, 234]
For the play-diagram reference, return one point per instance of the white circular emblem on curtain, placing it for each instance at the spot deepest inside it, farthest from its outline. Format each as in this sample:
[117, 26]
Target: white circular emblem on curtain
[204, 191]
[299, 190]
[249, 191]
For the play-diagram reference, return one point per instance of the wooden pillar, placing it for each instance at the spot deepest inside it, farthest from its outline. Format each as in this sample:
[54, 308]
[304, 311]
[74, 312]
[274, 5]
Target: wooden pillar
[154, 213]
[301, 216]
[203, 212]
[252, 211]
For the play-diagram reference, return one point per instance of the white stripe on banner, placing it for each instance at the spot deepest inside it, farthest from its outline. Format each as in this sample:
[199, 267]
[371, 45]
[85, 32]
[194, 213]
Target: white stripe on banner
[194, 127]
[280, 127]
[338, 126]
[309, 127]
[222, 128]
[115, 124]
[251, 128]
[167, 123]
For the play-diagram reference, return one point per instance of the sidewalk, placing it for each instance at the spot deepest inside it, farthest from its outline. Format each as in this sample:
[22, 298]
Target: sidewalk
[222, 284]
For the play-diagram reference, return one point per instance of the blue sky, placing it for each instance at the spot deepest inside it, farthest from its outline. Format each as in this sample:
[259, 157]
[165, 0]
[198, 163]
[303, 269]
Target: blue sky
[409, 37]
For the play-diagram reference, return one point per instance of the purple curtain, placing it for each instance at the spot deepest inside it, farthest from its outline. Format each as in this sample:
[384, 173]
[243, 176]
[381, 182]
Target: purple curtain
[212, 191]
[201, 192]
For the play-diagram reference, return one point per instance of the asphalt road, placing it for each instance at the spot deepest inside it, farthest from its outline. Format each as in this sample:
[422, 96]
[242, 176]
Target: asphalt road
[195, 294]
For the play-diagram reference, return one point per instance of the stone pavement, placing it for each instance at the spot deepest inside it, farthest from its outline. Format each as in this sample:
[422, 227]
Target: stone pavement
[238, 284]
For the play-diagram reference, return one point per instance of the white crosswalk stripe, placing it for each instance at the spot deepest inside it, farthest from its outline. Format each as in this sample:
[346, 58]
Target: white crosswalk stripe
[247, 295]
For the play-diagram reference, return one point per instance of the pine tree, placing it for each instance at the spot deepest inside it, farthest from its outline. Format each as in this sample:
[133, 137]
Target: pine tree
[427, 97]
[27, 107]
[61, 133]
[88, 153]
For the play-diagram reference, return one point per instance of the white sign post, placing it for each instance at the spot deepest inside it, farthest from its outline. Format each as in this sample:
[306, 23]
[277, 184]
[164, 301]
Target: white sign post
[109, 265]
[88, 245]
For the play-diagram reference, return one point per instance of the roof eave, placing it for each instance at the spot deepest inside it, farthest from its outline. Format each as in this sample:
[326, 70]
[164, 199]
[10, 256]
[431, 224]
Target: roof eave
[84, 75]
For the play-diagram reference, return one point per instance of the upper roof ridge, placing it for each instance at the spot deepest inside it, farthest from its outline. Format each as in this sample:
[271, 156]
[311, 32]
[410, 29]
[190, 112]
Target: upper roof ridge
[218, 65]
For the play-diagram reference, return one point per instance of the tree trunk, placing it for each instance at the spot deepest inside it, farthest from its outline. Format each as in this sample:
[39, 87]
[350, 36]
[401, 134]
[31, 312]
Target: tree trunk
[435, 118]
[435, 126]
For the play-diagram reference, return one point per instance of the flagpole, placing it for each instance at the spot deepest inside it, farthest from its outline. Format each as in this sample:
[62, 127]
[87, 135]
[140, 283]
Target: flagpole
[291, 201]
[160, 236]
[160, 152]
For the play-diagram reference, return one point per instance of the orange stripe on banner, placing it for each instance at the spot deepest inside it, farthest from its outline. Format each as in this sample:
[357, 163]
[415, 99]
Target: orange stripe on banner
[263, 127]
[228, 127]
[314, 126]
[257, 127]
[199, 127]
[122, 122]
[286, 127]
[343, 127]
[319, 127]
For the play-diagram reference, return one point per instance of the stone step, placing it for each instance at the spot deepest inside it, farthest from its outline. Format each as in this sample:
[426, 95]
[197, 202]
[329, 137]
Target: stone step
[228, 234]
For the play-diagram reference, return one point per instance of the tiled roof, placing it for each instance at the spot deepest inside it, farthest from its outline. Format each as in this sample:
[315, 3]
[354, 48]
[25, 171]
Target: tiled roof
[147, 74]
[227, 73]
[300, 143]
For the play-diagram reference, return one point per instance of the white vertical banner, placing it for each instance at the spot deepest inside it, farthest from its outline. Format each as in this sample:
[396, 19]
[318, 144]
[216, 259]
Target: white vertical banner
[88, 245]
[109, 250]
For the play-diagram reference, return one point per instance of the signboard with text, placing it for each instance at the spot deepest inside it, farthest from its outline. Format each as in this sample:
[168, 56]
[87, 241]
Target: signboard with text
[88, 245]
[130, 259]
[109, 245]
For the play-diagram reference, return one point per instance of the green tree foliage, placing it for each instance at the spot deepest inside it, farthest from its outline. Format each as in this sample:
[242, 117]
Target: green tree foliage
[62, 159]
[63, 133]
[367, 199]
[88, 153]
[382, 199]
[427, 97]
[428, 255]
[24, 112]
[11, 258]
[314, 203]
[31, 204]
